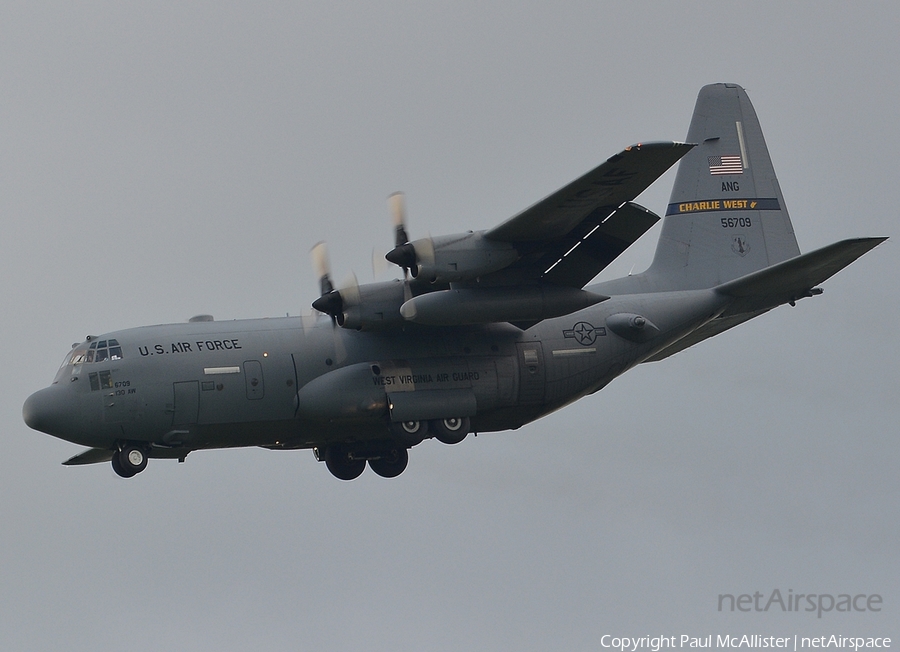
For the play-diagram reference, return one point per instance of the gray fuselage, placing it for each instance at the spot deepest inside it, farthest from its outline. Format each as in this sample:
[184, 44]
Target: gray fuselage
[300, 382]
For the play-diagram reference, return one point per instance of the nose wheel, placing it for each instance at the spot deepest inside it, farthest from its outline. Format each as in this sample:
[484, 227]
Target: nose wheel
[129, 461]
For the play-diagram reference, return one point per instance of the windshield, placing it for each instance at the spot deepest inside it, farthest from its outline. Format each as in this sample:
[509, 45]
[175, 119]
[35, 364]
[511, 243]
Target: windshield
[97, 351]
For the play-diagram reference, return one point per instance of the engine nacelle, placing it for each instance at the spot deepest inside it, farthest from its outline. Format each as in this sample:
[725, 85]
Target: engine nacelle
[376, 306]
[456, 307]
[461, 257]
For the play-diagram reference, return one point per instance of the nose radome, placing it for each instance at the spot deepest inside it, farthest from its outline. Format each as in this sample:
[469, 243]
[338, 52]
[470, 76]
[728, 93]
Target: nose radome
[43, 411]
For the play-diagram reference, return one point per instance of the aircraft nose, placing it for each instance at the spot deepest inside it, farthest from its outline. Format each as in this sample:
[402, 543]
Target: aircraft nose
[45, 411]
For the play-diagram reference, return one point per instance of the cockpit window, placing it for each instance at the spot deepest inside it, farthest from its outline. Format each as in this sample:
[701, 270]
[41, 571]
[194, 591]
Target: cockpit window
[98, 352]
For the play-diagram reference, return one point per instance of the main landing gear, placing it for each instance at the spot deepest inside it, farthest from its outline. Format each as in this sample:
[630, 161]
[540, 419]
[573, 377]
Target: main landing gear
[342, 463]
[129, 460]
[389, 459]
[348, 464]
[391, 463]
[450, 431]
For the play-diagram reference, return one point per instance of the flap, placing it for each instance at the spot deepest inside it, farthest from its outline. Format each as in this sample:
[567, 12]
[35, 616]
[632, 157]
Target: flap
[586, 255]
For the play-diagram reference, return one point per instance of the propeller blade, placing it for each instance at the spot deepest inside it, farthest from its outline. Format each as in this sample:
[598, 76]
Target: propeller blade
[319, 256]
[308, 321]
[379, 265]
[424, 249]
[349, 290]
[340, 350]
[397, 204]
[331, 303]
[403, 254]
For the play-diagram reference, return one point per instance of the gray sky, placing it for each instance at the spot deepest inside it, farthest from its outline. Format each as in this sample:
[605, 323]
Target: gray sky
[163, 162]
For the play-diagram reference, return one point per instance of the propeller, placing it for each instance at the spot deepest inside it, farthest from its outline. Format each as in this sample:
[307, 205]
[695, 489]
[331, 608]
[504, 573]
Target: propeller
[330, 302]
[319, 257]
[333, 302]
[404, 253]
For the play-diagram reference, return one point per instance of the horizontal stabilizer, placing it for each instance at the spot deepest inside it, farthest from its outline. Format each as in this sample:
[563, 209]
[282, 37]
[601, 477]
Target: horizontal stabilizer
[785, 282]
[792, 279]
[90, 456]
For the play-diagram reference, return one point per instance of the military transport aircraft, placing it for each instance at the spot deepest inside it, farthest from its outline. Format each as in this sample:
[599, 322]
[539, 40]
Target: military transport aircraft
[487, 330]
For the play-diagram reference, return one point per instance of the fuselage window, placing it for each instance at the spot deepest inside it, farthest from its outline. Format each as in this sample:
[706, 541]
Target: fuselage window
[103, 380]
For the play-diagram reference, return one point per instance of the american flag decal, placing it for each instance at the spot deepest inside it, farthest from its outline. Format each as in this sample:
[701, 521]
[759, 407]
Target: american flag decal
[725, 165]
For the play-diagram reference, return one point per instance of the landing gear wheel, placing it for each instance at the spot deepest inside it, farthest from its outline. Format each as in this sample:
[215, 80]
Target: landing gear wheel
[391, 464]
[451, 431]
[117, 467]
[129, 461]
[410, 432]
[342, 466]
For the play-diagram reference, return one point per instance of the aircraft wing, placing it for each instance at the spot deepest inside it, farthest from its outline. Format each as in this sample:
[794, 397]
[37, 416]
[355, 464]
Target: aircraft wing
[592, 197]
[530, 267]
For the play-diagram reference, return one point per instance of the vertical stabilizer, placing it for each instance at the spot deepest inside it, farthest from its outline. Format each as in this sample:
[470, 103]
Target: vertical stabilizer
[726, 216]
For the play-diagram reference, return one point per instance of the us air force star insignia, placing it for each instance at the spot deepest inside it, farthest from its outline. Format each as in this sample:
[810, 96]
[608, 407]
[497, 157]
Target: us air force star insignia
[584, 333]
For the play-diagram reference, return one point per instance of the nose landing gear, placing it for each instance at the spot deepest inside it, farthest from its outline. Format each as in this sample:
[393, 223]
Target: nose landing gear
[129, 460]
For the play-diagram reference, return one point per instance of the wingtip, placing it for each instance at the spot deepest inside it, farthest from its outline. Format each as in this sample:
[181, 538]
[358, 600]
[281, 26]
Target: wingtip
[659, 144]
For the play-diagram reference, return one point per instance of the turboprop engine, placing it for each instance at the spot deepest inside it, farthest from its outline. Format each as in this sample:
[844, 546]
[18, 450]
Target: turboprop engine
[453, 258]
